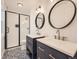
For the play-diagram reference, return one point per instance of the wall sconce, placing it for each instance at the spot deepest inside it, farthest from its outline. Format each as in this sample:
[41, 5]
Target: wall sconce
[39, 9]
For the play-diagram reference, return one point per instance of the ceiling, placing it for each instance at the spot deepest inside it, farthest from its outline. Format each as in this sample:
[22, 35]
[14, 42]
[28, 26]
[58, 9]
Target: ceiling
[28, 5]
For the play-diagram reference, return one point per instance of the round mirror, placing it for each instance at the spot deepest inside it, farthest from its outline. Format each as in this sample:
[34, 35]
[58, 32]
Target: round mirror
[40, 20]
[62, 14]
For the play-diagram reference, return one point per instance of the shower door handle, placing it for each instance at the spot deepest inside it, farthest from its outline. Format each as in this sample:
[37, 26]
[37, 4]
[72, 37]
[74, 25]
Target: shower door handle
[17, 25]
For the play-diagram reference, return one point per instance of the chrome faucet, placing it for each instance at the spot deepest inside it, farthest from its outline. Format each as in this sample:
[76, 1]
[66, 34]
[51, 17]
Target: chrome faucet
[59, 37]
[58, 31]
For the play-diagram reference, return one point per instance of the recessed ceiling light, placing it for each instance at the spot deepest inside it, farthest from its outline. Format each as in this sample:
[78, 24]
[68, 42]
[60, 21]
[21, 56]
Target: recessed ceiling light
[20, 4]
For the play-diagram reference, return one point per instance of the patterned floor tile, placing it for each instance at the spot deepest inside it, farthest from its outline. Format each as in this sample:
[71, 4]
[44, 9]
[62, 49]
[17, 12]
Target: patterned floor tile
[15, 53]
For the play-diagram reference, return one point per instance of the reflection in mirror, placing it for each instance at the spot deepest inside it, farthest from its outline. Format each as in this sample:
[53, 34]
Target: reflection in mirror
[62, 14]
[40, 20]
[37, 32]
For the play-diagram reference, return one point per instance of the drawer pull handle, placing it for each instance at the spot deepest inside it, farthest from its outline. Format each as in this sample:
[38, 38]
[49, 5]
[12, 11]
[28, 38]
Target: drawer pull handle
[41, 49]
[51, 56]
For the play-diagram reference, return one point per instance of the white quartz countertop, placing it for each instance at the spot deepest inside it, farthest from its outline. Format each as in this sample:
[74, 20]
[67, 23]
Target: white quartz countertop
[35, 36]
[66, 47]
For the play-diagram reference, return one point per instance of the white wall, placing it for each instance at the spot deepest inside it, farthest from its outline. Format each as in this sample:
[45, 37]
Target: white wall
[70, 32]
[3, 7]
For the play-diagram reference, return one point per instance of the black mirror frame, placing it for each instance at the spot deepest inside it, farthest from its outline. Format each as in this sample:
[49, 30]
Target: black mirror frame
[42, 23]
[71, 19]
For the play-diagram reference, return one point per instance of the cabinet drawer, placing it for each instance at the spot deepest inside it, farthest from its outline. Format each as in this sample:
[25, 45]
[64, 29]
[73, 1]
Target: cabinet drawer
[41, 54]
[42, 47]
[52, 53]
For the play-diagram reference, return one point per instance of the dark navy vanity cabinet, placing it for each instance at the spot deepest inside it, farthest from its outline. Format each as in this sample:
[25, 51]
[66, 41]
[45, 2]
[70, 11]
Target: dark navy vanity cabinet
[39, 50]
[31, 46]
[46, 52]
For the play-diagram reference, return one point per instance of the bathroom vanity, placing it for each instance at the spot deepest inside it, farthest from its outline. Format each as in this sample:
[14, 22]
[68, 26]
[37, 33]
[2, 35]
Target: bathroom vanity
[55, 49]
[31, 45]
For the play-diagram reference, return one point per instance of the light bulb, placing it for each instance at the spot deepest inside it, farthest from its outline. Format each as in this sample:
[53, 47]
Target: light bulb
[20, 4]
[51, 0]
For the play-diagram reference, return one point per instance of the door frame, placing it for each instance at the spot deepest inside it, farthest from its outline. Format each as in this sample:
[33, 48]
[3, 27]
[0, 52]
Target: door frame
[18, 28]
